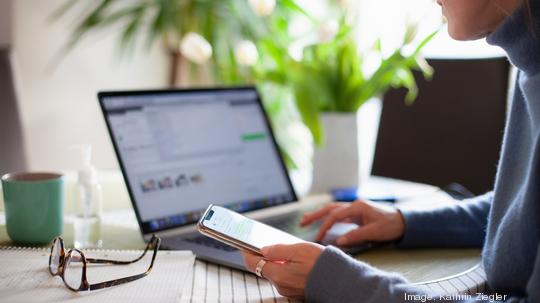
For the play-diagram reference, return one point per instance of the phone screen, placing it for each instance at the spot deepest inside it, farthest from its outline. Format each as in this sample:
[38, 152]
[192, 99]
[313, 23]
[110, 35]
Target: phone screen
[246, 230]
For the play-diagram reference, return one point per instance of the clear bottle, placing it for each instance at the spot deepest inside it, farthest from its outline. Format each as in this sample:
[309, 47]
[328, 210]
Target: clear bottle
[88, 204]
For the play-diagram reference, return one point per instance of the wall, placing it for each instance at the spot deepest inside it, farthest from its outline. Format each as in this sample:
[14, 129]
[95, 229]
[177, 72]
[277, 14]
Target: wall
[387, 19]
[58, 102]
[59, 106]
[6, 13]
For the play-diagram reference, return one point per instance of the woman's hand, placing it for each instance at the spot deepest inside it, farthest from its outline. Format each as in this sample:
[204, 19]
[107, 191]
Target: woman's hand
[287, 266]
[377, 222]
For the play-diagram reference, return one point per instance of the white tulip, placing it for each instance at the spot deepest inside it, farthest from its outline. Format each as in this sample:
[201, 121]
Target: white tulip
[262, 7]
[246, 53]
[195, 48]
[327, 31]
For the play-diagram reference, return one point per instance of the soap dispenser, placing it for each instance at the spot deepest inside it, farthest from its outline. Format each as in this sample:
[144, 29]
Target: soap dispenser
[88, 203]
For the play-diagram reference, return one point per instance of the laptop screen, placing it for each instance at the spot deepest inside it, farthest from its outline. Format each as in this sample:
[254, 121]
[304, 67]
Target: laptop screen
[183, 150]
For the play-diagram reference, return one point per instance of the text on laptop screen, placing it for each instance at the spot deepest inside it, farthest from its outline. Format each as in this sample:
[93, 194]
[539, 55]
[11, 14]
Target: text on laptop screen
[183, 150]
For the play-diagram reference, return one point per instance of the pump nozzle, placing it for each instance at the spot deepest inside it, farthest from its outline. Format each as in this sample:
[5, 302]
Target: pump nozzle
[86, 153]
[87, 172]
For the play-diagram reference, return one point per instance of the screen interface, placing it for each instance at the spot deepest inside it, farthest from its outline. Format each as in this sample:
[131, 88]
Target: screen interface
[182, 151]
[245, 229]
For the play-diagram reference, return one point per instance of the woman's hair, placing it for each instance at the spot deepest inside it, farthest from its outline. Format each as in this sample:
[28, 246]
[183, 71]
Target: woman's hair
[533, 26]
[531, 21]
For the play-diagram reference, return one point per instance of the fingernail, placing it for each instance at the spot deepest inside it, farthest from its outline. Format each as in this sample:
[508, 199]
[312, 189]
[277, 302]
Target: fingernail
[341, 241]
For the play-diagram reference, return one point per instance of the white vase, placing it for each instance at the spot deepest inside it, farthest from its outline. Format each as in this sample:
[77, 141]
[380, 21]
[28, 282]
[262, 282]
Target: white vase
[346, 157]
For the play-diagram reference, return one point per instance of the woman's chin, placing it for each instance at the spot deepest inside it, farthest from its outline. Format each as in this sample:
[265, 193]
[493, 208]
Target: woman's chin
[465, 35]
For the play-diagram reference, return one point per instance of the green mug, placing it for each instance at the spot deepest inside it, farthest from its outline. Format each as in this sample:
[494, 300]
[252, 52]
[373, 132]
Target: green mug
[34, 206]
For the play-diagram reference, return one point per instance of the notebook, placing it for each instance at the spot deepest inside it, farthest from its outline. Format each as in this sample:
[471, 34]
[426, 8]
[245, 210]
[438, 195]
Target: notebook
[470, 282]
[24, 277]
[215, 283]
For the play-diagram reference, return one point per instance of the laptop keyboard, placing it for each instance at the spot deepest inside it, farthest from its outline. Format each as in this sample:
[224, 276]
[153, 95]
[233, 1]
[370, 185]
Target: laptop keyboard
[206, 241]
[287, 223]
[290, 223]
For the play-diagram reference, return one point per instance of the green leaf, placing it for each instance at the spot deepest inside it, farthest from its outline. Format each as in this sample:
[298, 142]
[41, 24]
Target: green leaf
[424, 42]
[309, 111]
[289, 161]
[128, 36]
[295, 7]
[62, 10]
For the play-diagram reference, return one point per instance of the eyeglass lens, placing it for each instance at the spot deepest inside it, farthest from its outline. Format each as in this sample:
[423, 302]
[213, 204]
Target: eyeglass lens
[55, 257]
[73, 269]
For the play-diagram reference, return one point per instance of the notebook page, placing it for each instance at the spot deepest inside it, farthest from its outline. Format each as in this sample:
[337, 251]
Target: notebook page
[208, 282]
[469, 282]
[214, 283]
[24, 277]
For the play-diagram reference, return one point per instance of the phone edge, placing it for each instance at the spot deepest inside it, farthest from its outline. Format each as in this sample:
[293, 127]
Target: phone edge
[223, 238]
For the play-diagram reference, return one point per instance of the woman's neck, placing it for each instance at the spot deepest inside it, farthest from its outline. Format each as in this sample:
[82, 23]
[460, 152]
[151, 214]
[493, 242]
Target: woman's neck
[519, 36]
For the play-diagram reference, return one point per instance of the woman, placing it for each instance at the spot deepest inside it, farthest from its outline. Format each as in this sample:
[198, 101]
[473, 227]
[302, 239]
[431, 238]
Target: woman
[506, 221]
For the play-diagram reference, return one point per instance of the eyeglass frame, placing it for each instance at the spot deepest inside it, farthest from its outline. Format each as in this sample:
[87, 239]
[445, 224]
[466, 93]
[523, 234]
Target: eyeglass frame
[154, 241]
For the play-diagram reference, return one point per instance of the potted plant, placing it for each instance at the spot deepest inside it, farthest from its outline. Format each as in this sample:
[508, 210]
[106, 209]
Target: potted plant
[249, 41]
[330, 83]
[202, 38]
[208, 43]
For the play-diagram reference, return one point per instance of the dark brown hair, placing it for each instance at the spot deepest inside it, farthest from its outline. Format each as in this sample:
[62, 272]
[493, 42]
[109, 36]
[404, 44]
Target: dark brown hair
[531, 21]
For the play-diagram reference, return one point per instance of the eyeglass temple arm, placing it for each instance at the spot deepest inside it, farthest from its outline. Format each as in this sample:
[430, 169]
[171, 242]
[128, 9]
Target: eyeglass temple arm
[117, 281]
[118, 262]
[130, 278]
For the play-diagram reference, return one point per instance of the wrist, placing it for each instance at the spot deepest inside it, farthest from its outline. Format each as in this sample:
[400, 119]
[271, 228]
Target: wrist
[400, 225]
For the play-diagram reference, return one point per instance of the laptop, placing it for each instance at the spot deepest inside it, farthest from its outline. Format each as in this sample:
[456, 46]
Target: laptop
[181, 150]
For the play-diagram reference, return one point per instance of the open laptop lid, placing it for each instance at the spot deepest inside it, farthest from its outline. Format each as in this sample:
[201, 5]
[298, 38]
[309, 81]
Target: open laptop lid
[181, 150]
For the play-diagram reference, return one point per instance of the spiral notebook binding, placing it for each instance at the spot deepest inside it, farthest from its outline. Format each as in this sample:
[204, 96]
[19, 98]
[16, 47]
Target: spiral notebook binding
[90, 250]
[25, 248]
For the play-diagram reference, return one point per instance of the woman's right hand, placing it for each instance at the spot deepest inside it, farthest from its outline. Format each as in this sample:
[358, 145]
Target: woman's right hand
[376, 222]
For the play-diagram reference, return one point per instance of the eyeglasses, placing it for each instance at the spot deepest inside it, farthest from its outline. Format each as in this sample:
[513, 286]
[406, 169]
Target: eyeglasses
[71, 266]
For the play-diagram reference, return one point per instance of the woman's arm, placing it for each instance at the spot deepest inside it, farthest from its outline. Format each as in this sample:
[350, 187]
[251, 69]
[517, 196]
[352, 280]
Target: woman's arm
[461, 225]
[336, 277]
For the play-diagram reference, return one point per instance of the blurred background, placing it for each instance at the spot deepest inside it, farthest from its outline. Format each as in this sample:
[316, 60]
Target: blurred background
[56, 88]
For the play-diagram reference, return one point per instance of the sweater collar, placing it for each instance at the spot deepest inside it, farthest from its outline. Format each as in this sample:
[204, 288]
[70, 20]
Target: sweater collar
[520, 38]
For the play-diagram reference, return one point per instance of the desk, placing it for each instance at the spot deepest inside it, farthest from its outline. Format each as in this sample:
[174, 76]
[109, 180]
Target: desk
[120, 229]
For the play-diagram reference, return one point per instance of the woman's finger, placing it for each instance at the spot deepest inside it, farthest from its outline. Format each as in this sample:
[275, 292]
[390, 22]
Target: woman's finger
[309, 218]
[290, 293]
[250, 260]
[337, 215]
[279, 252]
[282, 276]
[357, 235]
[272, 271]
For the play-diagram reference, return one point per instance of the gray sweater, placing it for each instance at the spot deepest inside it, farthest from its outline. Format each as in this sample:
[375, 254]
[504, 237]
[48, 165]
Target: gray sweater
[506, 222]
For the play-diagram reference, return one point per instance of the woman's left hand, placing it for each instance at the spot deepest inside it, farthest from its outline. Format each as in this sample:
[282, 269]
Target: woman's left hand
[287, 266]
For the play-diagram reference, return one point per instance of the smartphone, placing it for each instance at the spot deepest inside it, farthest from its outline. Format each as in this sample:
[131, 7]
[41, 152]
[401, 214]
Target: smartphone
[240, 231]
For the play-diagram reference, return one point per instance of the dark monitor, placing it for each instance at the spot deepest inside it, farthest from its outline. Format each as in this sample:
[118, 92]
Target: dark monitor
[452, 132]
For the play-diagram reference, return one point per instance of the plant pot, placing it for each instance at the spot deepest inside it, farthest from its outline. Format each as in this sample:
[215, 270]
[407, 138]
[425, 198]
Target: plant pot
[346, 157]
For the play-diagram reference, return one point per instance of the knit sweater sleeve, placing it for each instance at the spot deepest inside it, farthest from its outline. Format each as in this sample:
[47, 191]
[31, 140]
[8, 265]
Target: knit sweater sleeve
[460, 225]
[336, 277]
